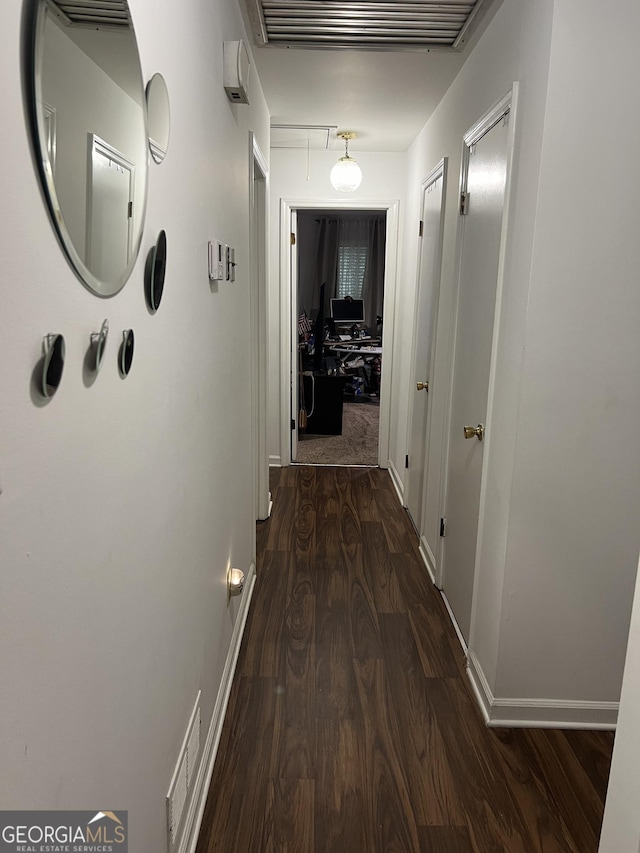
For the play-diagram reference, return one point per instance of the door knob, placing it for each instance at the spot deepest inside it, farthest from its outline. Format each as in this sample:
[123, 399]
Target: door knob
[478, 432]
[422, 386]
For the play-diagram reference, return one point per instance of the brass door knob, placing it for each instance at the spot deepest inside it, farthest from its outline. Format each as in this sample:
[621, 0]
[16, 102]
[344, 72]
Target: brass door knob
[422, 386]
[478, 432]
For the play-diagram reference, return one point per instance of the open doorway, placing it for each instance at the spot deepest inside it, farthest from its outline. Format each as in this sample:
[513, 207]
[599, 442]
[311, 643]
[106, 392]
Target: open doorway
[339, 300]
[289, 316]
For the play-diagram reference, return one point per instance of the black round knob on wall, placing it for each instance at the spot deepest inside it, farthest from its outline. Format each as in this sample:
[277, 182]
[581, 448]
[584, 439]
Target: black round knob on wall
[126, 352]
[52, 364]
[155, 271]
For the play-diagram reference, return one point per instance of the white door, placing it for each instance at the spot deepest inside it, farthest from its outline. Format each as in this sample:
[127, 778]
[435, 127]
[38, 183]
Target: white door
[424, 340]
[110, 212]
[293, 328]
[481, 242]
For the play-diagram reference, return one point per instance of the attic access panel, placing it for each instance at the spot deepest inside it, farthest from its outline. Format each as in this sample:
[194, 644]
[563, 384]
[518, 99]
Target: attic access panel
[364, 24]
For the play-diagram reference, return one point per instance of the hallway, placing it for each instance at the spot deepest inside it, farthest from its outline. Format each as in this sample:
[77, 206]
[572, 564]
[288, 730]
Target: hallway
[351, 726]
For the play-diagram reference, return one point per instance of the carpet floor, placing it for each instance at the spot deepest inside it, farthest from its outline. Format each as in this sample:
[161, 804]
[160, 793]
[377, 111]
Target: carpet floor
[358, 444]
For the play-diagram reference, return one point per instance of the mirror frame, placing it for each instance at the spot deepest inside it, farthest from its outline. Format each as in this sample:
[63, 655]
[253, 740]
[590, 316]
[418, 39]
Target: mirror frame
[34, 23]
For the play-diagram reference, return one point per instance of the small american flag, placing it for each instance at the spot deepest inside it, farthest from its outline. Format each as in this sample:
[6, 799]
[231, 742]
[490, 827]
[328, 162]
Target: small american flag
[304, 324]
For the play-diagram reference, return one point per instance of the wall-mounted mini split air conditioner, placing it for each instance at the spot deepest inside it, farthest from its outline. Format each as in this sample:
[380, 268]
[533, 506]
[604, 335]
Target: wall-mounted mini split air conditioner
[236, 71]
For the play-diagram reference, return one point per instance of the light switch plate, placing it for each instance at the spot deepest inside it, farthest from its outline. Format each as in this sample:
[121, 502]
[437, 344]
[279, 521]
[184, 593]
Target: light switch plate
[217, 260]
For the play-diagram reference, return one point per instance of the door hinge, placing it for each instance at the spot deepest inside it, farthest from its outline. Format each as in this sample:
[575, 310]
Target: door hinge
[443, 527]
[293, 239]
[421, 229]
[464, 203]
[293, 423]
[406, 461]
[130, 210]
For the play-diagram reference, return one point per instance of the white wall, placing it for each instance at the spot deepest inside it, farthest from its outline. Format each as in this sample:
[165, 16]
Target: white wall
[558, 536]
[124, 502]
[383, 181]
[573, 528]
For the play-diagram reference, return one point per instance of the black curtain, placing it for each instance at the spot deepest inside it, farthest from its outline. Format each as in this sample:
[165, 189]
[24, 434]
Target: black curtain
[319, 240]
[373, 284]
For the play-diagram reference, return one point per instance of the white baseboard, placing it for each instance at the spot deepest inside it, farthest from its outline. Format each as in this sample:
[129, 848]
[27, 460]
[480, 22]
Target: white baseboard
[191, 829]
[538, 713]
[396, 479]
[428, 558]
[275, 462]
[454, 622]
[267, 511]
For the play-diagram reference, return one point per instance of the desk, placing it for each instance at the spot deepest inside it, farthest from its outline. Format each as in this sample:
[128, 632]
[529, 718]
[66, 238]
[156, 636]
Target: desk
[353, 342]
[364, 351]
[354, 358]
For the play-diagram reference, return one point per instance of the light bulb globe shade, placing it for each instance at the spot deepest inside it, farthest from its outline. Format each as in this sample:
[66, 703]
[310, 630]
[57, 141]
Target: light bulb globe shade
[346, 175]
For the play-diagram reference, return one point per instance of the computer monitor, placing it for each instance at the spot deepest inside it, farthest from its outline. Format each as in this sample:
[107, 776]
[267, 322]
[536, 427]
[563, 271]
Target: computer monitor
[347, 310]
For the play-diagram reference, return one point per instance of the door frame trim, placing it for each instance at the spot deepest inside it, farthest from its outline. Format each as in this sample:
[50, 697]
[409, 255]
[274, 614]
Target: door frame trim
[287, 309]
[258, 265]
[97, 145]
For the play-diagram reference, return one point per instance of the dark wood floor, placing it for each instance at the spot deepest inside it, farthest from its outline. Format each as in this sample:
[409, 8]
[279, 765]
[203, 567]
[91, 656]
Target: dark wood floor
[351, 726]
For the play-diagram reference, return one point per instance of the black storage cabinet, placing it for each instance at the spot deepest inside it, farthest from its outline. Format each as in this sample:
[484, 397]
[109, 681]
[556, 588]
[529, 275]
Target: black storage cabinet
[327, 399]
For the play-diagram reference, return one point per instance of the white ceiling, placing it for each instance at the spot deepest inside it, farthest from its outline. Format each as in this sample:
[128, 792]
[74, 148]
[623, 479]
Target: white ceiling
[385, 97]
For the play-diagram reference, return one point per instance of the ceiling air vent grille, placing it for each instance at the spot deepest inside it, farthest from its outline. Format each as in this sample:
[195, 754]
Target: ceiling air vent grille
[92, 13]
[364, 24]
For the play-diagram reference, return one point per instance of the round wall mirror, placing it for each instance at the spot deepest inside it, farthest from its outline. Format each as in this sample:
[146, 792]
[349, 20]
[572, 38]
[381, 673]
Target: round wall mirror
[90, 135]
[159, 117]
[155, 270]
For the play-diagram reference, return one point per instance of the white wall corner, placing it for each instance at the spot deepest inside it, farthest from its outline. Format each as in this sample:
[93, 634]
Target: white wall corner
[480, 685]
[537, 713]
[189, 838]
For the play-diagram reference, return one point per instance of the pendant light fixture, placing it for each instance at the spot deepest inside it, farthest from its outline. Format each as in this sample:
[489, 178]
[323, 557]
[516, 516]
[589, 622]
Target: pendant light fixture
[346, 175]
